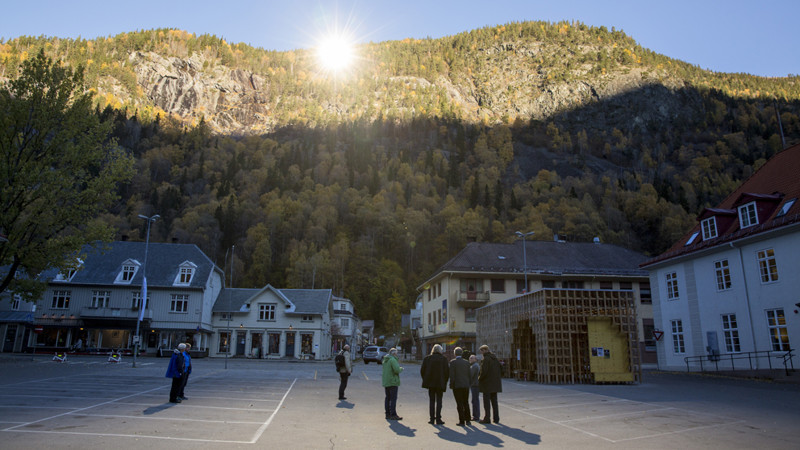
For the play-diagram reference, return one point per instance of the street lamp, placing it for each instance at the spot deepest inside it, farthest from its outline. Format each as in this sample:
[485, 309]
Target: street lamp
[143, 300]
[524, 256]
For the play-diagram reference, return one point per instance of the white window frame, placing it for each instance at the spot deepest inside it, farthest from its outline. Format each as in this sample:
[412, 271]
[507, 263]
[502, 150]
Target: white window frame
[673, 292]
[179, 303]
[767, 265]
[678, 342]
[307, 318]
[16, 300]
[709, 228]
[185, 274]
[778, 332]
[345, 322]
[128, 272]
[266, 311]
[61, 299]
[730, 330]
[101, 299]
[722, 273]
[748, 215]
[136, 297]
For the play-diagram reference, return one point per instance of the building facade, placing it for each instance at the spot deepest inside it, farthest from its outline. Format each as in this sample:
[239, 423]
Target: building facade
[347, 329]
[273, 323]
[485, 273]
[729, 287]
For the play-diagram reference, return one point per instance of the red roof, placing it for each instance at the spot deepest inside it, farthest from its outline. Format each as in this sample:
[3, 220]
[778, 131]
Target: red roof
[777, 183]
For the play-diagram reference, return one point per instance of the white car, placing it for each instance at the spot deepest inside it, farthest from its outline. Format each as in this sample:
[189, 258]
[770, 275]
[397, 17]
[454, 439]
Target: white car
[375, 353]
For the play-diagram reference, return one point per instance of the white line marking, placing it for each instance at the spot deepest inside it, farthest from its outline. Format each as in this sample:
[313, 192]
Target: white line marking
[136, 436]
[184, 405]
[632, 413]
[679, 431]
[171, 419]
[261, 429]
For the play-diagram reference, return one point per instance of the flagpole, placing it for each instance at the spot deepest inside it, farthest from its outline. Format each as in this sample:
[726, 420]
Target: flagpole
[143, 300]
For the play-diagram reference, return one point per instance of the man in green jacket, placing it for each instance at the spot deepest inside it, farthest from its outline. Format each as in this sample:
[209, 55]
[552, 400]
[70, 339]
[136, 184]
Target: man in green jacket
[391, 382]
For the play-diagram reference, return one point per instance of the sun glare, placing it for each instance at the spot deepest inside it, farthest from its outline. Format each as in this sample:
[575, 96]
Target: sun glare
[336, 53]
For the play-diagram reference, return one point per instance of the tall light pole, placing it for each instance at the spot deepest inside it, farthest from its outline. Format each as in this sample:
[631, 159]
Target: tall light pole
[524, 256]
[143, 300]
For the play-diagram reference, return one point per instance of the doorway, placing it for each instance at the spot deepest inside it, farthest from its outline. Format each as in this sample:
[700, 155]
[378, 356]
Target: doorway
[11, 338]
[289, 345]
[241, 337]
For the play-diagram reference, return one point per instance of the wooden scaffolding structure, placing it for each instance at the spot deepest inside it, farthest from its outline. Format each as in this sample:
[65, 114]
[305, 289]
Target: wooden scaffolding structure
[544, 336]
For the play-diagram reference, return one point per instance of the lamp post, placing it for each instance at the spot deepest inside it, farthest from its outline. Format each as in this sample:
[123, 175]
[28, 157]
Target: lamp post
[143, 300]
[524, 256]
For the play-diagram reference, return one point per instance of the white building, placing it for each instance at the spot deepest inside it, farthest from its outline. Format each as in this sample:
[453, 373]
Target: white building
[347, 329]
[730, 287]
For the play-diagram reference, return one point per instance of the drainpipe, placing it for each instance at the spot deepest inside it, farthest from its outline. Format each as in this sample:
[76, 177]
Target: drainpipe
[747, 299]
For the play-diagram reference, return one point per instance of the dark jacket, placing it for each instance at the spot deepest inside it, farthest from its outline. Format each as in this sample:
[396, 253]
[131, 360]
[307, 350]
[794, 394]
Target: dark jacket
[176, 365]
[434, 372]
[491, 373]
[474, 371]
[459, 373]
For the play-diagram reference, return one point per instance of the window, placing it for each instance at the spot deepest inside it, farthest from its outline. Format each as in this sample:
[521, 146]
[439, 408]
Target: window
[185, 276]
[307, 318]
[61, 299]
[179, 303]
[572, 284]
[768, 266]
[471, 285]
[429, 319]
[672, 286]
[548, 284]
[644, 293]
[678, 345]
[776, 322]
[345, 322]
[128, 271]
[692, 238]
[498, 285]
[723, 273]
[606, 285]
[709, 228]
[224, 337]
[100, 299]
[469, 315]
[731, 332]
[747, 215]
[786, 207]
[520, 286]
[15, 301]
[626, 285]
[440, 317]
[266, 311]
[648, 327]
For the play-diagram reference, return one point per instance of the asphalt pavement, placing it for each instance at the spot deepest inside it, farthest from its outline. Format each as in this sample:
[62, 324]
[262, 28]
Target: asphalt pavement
[87, 402]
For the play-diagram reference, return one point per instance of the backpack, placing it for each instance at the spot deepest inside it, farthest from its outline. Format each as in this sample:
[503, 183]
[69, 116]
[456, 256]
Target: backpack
[339, 361]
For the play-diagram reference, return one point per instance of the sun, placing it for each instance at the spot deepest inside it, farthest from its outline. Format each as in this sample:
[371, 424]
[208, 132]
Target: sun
[336, 53]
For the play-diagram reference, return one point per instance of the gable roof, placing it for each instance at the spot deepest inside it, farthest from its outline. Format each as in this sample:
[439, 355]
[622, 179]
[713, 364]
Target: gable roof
[102, 264]
[545, 257]
[299, 301]
[777, 182]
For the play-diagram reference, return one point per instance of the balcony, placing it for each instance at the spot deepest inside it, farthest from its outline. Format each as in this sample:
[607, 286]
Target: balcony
[472, 299]
[114, 313]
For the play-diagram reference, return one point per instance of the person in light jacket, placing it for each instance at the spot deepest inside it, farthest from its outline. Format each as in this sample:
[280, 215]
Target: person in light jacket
[474, 387]
[175, 371]
[435, 373]
[391, 383]
[459, 383]
[345, 372]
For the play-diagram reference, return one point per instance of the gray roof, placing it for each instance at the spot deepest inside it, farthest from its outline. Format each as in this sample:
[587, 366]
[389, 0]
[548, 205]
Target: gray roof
[103, 263]
[302, 301]
[547, 257]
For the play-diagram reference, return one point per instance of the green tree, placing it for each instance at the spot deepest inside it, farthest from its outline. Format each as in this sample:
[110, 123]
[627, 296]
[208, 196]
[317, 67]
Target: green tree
[59, 171]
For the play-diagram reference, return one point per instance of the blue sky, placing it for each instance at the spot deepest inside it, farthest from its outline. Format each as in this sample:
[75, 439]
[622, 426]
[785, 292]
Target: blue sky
[757, 37]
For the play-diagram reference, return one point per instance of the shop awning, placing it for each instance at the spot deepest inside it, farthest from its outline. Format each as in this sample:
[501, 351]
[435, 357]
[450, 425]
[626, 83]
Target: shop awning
[16, 317]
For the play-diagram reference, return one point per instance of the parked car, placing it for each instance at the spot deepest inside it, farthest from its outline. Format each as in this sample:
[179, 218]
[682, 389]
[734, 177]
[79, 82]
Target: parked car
[375, 353]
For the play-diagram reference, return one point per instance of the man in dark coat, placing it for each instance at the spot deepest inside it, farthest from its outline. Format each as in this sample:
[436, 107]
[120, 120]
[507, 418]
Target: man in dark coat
[490, 383]
[175, 370]
[435, 373]
[459, 383]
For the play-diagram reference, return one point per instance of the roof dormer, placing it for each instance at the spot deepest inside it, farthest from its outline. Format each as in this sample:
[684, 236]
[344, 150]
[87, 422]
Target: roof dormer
[715, 222]
[128, 270]
[186, 272]
[754, 209]
[70, 272]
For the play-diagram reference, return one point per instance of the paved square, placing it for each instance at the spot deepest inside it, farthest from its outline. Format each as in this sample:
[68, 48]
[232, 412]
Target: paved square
[90, 403]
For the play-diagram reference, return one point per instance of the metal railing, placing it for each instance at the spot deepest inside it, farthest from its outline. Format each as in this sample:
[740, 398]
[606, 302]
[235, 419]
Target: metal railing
[787, 359]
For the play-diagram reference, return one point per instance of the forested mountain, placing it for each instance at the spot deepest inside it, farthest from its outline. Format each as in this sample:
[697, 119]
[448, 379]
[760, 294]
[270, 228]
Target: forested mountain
[365, 184]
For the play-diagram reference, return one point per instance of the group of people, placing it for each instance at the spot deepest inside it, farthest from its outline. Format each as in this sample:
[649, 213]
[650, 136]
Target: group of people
[179, 368]
[466, 378]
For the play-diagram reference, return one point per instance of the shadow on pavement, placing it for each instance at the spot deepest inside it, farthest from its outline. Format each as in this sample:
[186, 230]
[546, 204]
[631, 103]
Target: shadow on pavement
[516, 433]
[345, 404]
[156, 409]
[400, 429]
[473, 436]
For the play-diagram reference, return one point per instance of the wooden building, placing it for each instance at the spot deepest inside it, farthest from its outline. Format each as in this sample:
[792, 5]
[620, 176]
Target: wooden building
[565, 336]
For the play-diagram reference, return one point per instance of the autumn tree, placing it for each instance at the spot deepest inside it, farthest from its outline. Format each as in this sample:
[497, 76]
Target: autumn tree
[59, 171]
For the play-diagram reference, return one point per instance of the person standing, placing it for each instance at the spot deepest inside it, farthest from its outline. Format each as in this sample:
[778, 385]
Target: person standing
[489, 380]
[175, 371]
[475, 390]
[459, 383]
[435, 373]
[345, 371]
[391, 383]
[187, 371]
